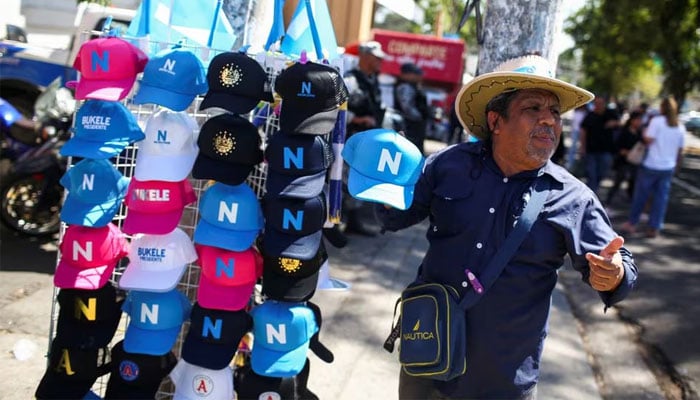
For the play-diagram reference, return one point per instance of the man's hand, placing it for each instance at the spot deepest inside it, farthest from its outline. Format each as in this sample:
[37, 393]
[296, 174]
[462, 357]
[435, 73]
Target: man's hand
[606, 270]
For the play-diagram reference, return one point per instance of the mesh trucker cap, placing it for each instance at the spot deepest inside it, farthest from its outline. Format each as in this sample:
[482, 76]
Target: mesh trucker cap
[293, 227]
[156, 207]
[229, 148]
[169, 149]
[102, 130]
[291, 279]
[230, 217]
[89, 256]
[155, 320]
[237, 83]
[87, 319]
[311, 95]
[282, 334]
[195, 382]
[108, 68]
[157, 262]
[384, 167]
[252, 386]
[213, 337]
[137, 376]
[228, 277]
[95, 192]
[297, 165]
[172, 78]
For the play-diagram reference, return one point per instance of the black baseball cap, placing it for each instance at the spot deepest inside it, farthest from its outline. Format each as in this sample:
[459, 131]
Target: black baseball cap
[252, 386]
[137, 376]
[214, 335]
[321, 351]
[297, 165]
[291, 279]
[71, 372]
[237, 83]
[87, 319]
[293, 227]
[311, 95]
[229, 148]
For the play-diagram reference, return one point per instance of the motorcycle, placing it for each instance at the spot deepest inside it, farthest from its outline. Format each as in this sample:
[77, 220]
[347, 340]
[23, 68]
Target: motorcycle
[30, 193]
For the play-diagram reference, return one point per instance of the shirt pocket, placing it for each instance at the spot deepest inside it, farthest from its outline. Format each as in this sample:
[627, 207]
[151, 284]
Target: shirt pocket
[450, 210]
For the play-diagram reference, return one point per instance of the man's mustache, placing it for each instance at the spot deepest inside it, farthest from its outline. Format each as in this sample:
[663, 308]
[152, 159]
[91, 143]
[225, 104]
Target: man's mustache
[544, 130]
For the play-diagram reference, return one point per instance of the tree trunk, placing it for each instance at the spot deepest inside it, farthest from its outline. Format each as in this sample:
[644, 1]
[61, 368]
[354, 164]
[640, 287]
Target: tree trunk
[516, 28]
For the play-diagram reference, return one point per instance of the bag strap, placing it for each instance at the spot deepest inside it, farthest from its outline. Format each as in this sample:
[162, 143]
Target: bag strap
[512, 242]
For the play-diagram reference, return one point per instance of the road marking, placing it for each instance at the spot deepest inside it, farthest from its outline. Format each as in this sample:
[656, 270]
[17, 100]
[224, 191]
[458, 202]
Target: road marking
[687, 186]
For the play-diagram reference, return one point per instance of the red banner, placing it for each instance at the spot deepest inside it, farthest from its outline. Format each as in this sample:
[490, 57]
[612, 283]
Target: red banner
[441, 59]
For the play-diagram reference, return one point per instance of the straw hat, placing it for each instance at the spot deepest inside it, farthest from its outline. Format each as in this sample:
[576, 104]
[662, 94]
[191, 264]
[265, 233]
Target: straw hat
[527, 72]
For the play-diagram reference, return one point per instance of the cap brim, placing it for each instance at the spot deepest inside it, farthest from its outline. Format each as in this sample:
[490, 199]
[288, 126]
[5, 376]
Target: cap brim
[111, 90]
[155, 224]
[294, 120]
[471, 100]
[280, 244]
[327, 282]
[219, 297]
[169, 168]
[288, 289]
[278, 364]
[301, 187]
[69, 277]
[78, 147]
[235, 104]
[90, 215]
[148, 94]
[230, 174]
[210, 235]
[136, 278]
[150, 341]
[55, 386]
[365, 188]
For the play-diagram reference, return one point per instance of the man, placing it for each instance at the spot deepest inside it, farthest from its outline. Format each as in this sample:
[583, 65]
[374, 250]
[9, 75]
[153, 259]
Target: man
[412, 104]
[597, 136]
[365, 111]
[474, 193]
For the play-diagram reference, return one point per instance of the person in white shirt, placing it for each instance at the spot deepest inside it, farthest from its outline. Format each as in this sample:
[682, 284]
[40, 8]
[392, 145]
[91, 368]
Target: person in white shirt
[664, 137]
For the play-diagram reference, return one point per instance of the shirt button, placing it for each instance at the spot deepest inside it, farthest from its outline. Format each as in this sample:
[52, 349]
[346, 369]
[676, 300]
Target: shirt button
[505, 180]
[465, 283]
[492, 210]
[479, 245]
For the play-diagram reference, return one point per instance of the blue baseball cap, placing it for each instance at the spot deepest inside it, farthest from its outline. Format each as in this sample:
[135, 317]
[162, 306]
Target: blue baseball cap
[293, 227]
[282, 334]
[102, 130]
[297, 165]
[95, 192]
[384, 167]
[231, 217]
[172, 78]
[155, 320]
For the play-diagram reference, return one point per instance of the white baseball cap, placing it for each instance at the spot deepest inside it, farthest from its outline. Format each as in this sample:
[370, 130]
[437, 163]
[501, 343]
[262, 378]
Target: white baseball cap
[194, 382]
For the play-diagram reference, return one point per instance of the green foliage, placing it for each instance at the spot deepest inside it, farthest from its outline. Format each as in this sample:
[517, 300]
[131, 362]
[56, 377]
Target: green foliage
[625, 42]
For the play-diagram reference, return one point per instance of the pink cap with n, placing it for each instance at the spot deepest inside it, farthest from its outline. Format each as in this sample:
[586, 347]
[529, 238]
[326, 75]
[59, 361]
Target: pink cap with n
[156, 207]
[228, 277]
[108, 68]
[88, 256]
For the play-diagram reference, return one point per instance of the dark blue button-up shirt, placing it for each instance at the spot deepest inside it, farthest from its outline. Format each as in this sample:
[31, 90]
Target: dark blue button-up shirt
[472, 207]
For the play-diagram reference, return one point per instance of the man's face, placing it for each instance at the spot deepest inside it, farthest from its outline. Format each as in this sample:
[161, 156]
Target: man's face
[531, 133]
[376, 63]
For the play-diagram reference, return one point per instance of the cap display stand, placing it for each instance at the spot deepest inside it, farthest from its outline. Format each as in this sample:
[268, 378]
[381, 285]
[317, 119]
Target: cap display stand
[263, 117]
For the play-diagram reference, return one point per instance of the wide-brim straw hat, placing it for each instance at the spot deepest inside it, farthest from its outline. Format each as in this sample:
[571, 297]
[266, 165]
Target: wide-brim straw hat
[527, 72]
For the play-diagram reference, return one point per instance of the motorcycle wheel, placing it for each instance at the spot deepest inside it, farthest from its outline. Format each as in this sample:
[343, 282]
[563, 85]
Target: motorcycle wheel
[20, 198]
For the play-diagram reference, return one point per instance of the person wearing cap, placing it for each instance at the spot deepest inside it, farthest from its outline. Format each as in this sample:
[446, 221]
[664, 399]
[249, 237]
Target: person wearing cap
[473, 195]
[411, 102]
[365, 111]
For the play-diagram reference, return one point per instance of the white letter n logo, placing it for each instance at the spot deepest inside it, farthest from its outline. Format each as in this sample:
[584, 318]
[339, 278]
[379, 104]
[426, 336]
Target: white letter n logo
[169, 65]
[385, 160]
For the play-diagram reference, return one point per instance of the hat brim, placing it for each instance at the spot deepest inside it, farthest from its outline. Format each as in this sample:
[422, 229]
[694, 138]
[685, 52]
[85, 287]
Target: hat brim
[220, 297]
[295, 120]
[148, 94]
[472, 98]
[280, 244]
[283, 288]
[151, 223]
[369, 189]
[91, 215]
[300, 187]
[159, 167]
[160, 281]
[278, 364]
[230, 174]
[327, 282]
[210, 235]
[233, 103]
[53, 385]
[155, 342]
[109, 90]
[68, 276]
[78, 147]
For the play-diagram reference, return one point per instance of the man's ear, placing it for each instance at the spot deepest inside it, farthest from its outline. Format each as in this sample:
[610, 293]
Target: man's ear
[492, 119]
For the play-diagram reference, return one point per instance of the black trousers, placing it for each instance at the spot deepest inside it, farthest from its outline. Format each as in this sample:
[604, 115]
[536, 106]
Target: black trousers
[415, 388]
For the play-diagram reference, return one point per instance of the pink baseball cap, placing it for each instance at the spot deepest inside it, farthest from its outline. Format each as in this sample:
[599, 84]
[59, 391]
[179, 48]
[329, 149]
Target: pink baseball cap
[228, 277]
[156, 206]
[108, 68]
[89, 256]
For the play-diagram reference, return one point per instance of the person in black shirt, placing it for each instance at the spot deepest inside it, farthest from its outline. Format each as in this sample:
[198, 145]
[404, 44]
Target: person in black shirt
[598, 141]
[624, 171]
[411, 102]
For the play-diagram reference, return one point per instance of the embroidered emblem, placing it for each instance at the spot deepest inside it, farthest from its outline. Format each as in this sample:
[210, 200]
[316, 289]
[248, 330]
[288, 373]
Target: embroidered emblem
[224, 143]
[290, 265]
[230, 75]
